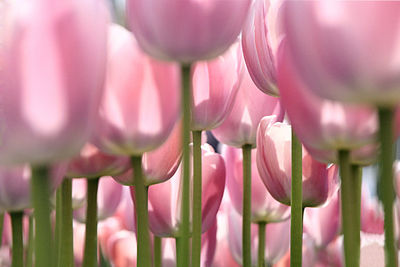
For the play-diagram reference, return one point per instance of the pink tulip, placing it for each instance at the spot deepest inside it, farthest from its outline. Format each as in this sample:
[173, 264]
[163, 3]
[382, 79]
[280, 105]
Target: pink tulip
[126, 212]
[164, 204]
[160, 164]
[322, 224]
[331, 125]
[274, 166]
[264, 207]
[79, 242]
[106, 229]
[215, 85]
[260, 38]
[250, 106]
[276, 239]
[15, 182]
[186, 31]
[93, 163]
[52, 71]
[122, 249]
[141, 101]
[108, 198]
[371, 213]
[346, 57]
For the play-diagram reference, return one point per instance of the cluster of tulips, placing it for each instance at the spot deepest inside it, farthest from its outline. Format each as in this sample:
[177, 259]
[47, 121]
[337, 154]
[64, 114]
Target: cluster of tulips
[212, 133]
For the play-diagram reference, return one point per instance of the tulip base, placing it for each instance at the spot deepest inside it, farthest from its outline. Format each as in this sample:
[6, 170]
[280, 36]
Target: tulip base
[261, 244]
[142, 215]
[66, 254]
[90, 252]
[17, 241]
[385, 183]
[296, 219]
[41, 210]
[184, 242]
[246, 226]
[197, 191]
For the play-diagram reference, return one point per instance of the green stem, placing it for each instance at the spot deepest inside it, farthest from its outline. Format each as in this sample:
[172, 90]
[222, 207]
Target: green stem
[183, 259]
[261, 244]
[17, 240]
[350, 212]
[29, 253]
[386, 190]
[246, 226]
[90, 252]
[157, 252]
[66, 256]
[178, 248]
[296, 219]
[197, 189]
[142, 215]
[1, 226]
[57, 230]
[41, 206]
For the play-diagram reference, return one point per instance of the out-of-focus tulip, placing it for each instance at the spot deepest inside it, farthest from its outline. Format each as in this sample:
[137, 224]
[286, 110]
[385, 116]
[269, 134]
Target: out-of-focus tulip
[106, 229]
[346, 57]
[320, 123]
[164, 204]
[141, 101]
[79, 242]
[274, 166]
[108, 198]
[215, 84]
[53, 64]
[323, 223]
[160, 164]
[260, 39]
[250, 106]
[264, 207]
[372, 251]
[121, 249]
[186, 31]
[93, 163]
[371, 213]
[15, 182]
[276, 239]
[126, 211]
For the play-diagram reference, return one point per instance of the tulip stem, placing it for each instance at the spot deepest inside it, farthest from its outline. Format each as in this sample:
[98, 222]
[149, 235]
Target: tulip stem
[66, 255]
[90, 252]
[246, 226]
[142, 214]
[1, 226]
[17, 240]
[261, 244]
[157, 252]
[57, 228]
[183, 259]
[350, 186]
[386, 190]
[296, 219]
[197, 191]
[41, 211]
[29, 253]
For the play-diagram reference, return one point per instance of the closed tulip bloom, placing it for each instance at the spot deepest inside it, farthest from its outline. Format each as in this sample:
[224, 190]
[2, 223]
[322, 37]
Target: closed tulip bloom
[160, 164]
[93, 163]
[264, 207]
[251, 105]
[323, 223]
[164, 204]
[108, 199]
[188, 30]
[277, 238]
[53, 57]
[331, 125]
[215, 84]
[346, 57]
[141, 101]
[15, 182]
[274, 166]
[261, 37]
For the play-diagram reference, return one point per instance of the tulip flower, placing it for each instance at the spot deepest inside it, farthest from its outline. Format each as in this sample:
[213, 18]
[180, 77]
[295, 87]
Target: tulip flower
[349, 63]
[186, 31]
[274, 166]
[261, 37]
[265, 209]
[276, 240]
[164, 207]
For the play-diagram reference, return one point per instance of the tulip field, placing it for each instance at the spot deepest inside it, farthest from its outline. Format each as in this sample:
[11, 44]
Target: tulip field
[199, 133]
